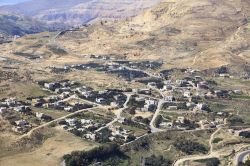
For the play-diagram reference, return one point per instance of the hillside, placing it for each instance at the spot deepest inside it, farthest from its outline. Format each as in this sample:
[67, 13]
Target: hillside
[9, 2]
[77, 12]
[12, 25]
[169, 86]
[203, 34]
[200, 34]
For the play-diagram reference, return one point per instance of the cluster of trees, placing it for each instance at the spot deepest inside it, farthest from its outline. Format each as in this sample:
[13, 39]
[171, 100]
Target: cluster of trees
[234, 120]
[103, 135]
[190, 147]
[210, 162]
[157, 161]
[142, 120]
[190, 125]
[142, 144]
[222, 70]
[110, 153]
[245, 134]
[136, 104]
[158, 121]
[132, 123]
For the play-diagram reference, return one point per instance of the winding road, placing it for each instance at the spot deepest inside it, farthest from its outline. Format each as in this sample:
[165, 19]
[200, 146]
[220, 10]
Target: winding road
[118, 115]
[240, 157]
[54, 121]
[152, 125]
[211, 153]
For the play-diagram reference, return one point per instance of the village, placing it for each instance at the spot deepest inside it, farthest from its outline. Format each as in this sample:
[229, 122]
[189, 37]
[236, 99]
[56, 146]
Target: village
[164, 103]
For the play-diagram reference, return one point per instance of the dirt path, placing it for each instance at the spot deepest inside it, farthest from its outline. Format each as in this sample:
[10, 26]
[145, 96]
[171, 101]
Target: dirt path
[194, 60]
[211, 153]
[216, 154]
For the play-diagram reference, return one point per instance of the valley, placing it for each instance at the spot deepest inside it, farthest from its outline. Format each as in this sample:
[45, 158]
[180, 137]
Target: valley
[168, 86]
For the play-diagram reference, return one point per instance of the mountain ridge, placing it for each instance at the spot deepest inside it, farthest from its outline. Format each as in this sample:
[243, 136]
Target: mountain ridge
[199, 34]
[78, 12]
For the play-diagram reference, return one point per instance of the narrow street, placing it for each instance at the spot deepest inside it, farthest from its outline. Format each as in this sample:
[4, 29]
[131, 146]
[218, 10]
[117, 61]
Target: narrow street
[118, 115]
[240, 157]
[54, 121]
[152, 125]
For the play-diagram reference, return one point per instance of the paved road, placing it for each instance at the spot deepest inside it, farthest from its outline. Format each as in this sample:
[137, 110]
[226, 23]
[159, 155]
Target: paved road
[152, 126]
[241, 156]
[134, 140]
[211, 153]
[158, 110]
[118, 115]
[68, 98]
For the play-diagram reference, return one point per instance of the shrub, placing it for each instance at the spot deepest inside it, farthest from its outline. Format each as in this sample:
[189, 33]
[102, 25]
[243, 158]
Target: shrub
[217, 140]
[210, 161]
[245, 134]
[190, 147]
[158, 120]
[233, 120]
[157, 161]
[99, 154]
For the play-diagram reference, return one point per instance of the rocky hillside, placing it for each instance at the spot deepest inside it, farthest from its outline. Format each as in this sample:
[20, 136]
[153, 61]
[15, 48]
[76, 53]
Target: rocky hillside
[77, 12]
[197, 31]
[201, 33]
[194, 33]
[12, 25]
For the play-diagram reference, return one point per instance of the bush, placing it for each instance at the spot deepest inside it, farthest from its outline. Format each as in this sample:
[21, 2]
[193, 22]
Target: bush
[190, 147]
[130, 138]
[143, 144]
[157, 161]
[132, 112]
[158, 120]
[103, 135]
[245, 134]
[210, 161]
[142, 120]
[190, 125]
[217, 140]
[234, 120]
[99, 154]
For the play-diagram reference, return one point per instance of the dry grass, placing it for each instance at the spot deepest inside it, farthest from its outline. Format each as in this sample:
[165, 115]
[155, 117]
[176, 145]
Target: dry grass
[50, 152]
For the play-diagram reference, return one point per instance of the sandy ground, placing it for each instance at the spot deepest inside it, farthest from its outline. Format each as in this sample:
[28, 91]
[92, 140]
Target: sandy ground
[50, 153]
[144, 114]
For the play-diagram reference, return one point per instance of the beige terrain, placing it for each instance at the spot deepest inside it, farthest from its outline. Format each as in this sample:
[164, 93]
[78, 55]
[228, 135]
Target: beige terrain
[78, 12]
[200, 34]
[50, 152]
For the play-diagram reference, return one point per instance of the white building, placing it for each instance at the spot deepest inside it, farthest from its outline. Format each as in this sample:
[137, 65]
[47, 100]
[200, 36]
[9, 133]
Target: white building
[168, 99]
[49, 85]
[201, 106]
[90, 136]
[71, 122]
[86, 121]
[187, 94]
[3, 110]
[100, 100]
[151, 102]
